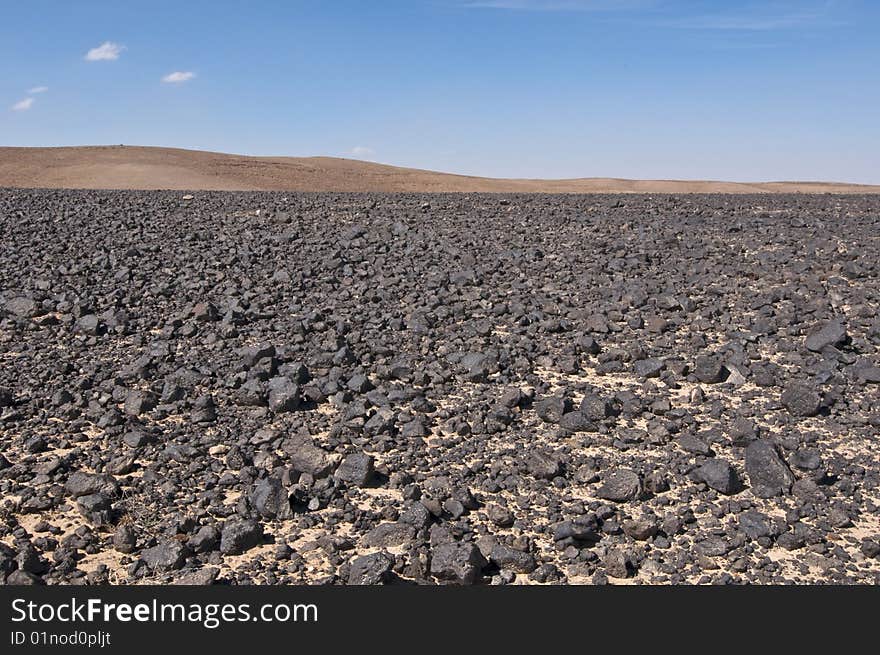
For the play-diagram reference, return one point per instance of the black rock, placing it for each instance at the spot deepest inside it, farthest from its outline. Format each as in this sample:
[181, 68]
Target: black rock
[125, 538]
[165, 556]
[7, 398]
[461, 563]
[96, 508]
[372, 569]
[618, 564]
[239, 535]
[197, 577]
[595, 408]
[692, 444]
[620, 486]
[389, 535]
[416, 515]
[582, 529]
[542, 465]
[359, 384]
[801, 400]
[768, 474]
[355, 469]
[21, 307]
[206, 539]
[719, 475]
[551, 410]
[29, 559]
[870, 548]
[253, 393]
[742, 431]
[832, 333]
[307, 458]
[90, 324]
[505, 557]
[709, 370]
[576, 422]
[648, 368]
[139, 401]
[806, 459]
[141, 336]
[271, 499]
[755, 524]
[864, 373]
[21, 578]
[284, 395]
[136, 439]
[500, 516]
[80, 483]
[641, 529]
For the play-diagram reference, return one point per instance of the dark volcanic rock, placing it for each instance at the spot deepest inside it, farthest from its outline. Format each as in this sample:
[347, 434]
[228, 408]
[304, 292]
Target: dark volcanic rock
[755, 524]
[356, 469]
[576, 422]
[551, 410]
[271, 499]
[284, 395]
[139, 401]
[648, 368]
[832, 333]
[506, 557]
[720, 476]
[370, 569]
[389, 535]
[21, 307]
[595, 408]
[620, 486]
[308, 458]
[206, 539]
[457, 562]
[618, 564]
[709, 370]
[801, 400]
[165, 556]
[542, 465]
[125, 538]
[421, 375]
[768, 474]
[96, 508]
[239, 535]
[82, 484]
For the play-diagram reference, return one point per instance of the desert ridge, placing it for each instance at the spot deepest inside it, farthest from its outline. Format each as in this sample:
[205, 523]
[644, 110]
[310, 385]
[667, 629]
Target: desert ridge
[153, 168]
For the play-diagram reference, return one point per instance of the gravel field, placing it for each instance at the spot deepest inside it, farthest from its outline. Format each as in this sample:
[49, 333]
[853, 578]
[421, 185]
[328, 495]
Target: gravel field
[271, 388]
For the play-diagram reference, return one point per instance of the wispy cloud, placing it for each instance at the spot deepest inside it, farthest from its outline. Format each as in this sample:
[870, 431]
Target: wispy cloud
[558, 5]
[23, 105]
[107, 51]
[762, 18]
[362, 151]
[178, 77]
[38, 89]
[734, 16]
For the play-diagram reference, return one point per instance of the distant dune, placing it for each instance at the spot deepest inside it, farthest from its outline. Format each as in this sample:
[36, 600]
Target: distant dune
[136, 167]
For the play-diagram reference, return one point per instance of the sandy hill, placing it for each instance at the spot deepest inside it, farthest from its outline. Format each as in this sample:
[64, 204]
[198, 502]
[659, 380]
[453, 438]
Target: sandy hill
[136, 167]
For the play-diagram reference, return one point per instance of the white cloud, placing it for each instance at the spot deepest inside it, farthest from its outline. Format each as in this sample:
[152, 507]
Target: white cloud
[23, 105]
[178, 77]
[38, 89]
[362, 151]
[107, 51]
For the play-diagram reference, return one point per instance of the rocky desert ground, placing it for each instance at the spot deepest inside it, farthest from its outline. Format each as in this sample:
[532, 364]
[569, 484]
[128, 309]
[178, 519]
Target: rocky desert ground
[279, 388]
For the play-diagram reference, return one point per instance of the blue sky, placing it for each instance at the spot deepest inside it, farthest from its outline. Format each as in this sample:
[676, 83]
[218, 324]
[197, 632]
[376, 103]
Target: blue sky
[512, 88]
